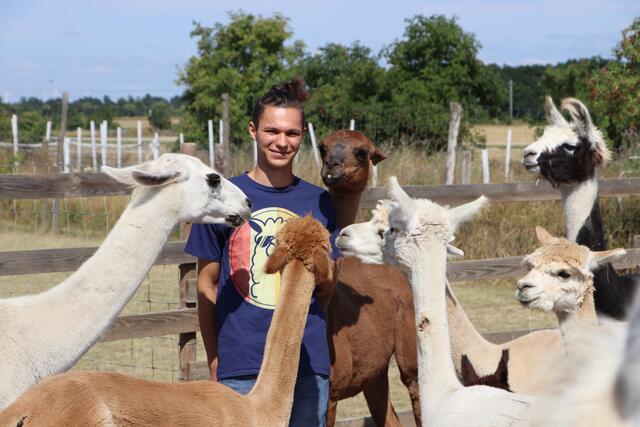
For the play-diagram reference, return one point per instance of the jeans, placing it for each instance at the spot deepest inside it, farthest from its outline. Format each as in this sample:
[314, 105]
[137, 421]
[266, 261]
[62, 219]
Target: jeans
[310, 397]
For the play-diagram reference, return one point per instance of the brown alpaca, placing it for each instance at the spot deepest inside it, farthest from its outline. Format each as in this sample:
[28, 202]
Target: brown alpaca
[347, 157]
[102, 398]
[499, 379]
[370, 309]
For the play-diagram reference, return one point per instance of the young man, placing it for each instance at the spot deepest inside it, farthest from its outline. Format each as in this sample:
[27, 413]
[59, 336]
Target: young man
[235, 297]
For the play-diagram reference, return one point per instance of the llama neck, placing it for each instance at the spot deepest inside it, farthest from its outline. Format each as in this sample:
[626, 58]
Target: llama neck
[347, 205]
[465, 338]
[80, 309]
[573, 322]
[582, 214]
[437, 374]
[277, 378]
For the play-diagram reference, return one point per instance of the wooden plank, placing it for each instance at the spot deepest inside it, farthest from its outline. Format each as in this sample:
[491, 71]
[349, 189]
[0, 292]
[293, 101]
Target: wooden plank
[61, 185]
[197, 371]
[508, 192]
[496, 268]
[69, 259]
[153, 325]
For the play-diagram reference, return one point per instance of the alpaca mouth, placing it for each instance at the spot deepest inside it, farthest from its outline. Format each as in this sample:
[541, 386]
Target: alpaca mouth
[527, 302]
[235, 220]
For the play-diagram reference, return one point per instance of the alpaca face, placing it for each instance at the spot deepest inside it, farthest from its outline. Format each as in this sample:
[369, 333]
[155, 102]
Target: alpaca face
[567, 152]
[421, 222]
[560, 274]
[366, 239]
[200, 193]
[346, 156]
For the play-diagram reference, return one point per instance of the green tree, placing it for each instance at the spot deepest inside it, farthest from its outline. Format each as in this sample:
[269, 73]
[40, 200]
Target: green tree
[160, 115]
[571, 78]
[616, 91]
[243, 58]
[434, 64]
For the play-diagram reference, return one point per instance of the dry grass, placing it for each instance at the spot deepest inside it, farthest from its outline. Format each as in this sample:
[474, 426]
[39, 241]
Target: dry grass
[521, 134]
[501, 230]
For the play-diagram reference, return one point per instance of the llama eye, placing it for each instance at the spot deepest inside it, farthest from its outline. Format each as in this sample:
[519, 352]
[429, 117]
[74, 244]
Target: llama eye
[381, 234]
[322, 149]
[564, 274]
[361, 154]
[569, 147]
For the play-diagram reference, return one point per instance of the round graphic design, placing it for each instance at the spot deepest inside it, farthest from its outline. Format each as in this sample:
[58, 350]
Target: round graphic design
[249, 247]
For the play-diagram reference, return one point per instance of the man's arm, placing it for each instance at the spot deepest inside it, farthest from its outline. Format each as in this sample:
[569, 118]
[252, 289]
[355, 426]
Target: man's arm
[208, 272]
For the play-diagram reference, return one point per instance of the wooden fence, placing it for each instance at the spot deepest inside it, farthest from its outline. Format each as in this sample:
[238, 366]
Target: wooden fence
[184, 321]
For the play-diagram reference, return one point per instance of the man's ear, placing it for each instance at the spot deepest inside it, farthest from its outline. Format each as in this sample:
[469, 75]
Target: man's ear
[276, 260]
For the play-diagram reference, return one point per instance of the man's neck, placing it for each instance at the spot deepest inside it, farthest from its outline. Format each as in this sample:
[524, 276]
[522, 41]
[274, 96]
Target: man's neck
[271, 177]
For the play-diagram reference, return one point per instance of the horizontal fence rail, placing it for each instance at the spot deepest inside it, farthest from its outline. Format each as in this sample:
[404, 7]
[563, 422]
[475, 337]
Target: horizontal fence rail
[83, 184]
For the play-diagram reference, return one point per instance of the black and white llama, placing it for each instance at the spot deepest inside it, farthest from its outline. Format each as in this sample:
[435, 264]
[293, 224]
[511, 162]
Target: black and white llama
[568, 155]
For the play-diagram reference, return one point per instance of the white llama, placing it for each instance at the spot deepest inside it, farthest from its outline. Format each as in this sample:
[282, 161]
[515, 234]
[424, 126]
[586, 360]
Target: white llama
[46, 333]
[365, 241]
[568, 155]
[418, 240]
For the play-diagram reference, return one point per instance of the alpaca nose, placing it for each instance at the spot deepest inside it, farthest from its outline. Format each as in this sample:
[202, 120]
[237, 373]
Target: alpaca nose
[248, 202]
[529, 155]
[523, 284]
[345, 234]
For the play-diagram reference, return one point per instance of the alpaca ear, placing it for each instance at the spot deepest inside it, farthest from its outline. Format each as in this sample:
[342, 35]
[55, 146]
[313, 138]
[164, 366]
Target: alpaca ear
[154, 178]
[543, 235]
[123, 175]
[397, 194]
[321, 263]
[580, 118]
[502, 371]
[468, 372]
[554, 117]
[599, 258]
[463, 213]
[276, 260]
[377, 156]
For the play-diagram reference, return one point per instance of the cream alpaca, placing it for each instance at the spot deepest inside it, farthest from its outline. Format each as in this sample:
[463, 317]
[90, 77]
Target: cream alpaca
[597, 384]
[101, 398]
[365, 241]
[419, 237]
[47, 333]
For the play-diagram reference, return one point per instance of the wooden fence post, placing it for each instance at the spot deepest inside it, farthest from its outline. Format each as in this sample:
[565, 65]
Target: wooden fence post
[59, 153]
[314, 146]
[507, 158]
[119, 147]
[226, 128]
[45, 145]
[466, 167]
[79, 148]
[452, 141]
[212, 153]
[94, 157]
[188, 292]
[352, 124]
[14, 133]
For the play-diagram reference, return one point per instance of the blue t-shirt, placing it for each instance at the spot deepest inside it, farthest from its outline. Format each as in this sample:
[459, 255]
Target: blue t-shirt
[246, 295]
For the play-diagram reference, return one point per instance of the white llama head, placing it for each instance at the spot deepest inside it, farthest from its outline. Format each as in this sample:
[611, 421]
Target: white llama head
[414, 222]
[568, 151]
[560, 273]
[364, 240]
[202, 195]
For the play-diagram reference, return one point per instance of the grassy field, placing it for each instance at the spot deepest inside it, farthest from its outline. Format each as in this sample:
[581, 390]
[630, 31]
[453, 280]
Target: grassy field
[505, 229]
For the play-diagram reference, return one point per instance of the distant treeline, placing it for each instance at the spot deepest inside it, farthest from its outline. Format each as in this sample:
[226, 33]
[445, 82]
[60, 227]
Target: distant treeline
[396, 96]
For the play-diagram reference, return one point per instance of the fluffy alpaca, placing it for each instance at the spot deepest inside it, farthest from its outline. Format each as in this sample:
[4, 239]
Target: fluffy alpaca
[418, 240]
[101, 398]
[568, 155]
[560, 279]
[365, 241]
[369, 309]
[597, 384]
[47, 333]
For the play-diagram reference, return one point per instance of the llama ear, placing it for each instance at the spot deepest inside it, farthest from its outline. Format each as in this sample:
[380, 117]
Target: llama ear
[554, 117]
[154, 178]
[321, 263]
[463, 213]
[397, 194]
[276, 260]
[377, 156]
[123, 175]
[468, 372]
[599, 258]
[581, 118]
[544, 236]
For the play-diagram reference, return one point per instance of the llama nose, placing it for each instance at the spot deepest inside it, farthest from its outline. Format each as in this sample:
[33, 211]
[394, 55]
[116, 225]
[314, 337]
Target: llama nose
[522, 285]
[248, 202]
[345, 234]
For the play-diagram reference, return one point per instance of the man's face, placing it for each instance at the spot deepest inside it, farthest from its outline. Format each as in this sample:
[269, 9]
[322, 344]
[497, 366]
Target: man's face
[278, 136]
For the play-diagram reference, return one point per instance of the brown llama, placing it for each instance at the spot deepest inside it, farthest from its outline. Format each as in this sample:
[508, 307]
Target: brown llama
[370, 308]
[104, 398]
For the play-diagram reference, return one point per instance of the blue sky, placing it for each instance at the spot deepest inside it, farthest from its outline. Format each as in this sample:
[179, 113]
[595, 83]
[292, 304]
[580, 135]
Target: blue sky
[122, 47]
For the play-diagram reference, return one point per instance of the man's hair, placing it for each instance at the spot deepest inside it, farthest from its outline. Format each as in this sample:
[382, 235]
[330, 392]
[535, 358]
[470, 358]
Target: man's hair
[291, 94]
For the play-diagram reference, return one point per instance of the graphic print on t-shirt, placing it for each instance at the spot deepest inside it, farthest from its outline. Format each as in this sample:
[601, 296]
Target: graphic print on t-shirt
[249, 247]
